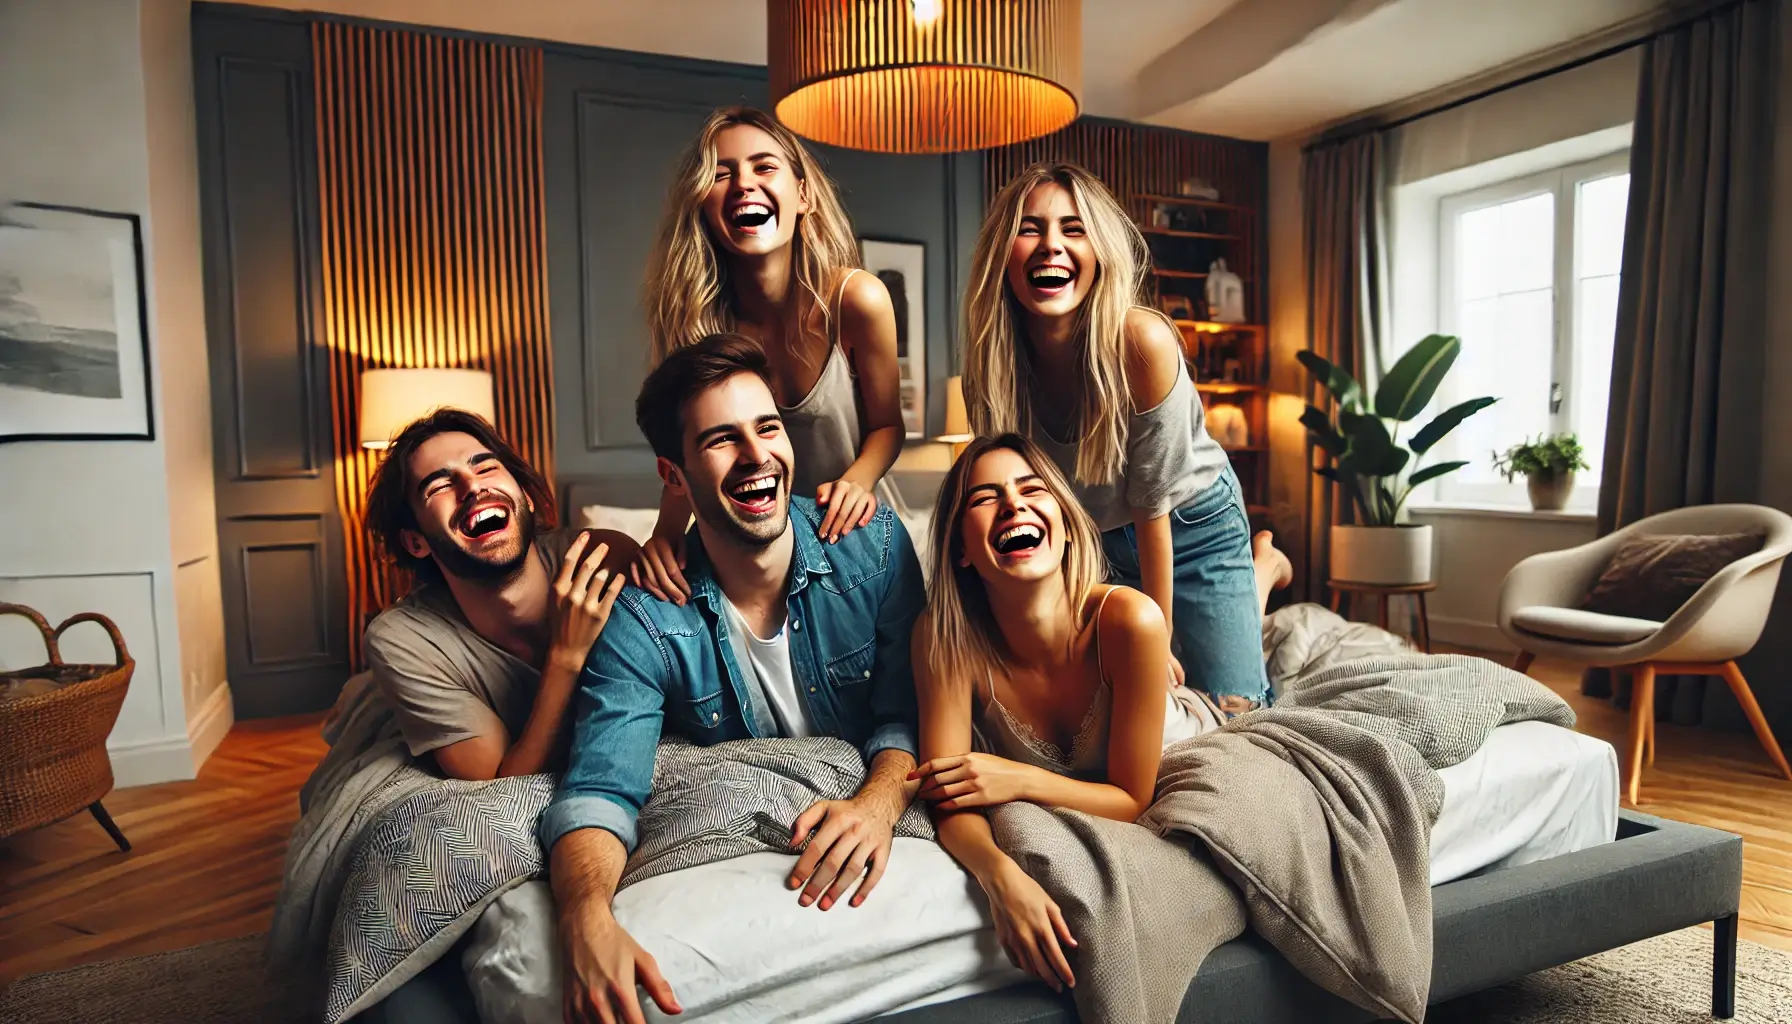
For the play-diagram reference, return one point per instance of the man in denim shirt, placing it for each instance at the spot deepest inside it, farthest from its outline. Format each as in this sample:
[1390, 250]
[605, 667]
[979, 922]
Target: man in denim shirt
[838, 617]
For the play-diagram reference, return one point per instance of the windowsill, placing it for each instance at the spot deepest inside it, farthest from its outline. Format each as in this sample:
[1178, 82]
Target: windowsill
[1567, 515]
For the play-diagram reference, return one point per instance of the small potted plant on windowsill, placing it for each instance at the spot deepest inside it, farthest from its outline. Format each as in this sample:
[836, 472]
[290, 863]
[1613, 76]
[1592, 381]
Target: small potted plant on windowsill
[1376, 472]
[1548, 465]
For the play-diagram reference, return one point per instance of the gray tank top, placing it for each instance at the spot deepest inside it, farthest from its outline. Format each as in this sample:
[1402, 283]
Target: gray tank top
[826, 426]
[1186, 714]
[1169, 459]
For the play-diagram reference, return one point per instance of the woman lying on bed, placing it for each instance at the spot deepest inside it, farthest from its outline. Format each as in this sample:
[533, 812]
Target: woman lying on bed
[1062, 677]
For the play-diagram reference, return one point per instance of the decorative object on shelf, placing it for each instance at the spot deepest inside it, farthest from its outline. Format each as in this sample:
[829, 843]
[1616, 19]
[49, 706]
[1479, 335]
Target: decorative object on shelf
[1160, 216]
[1226, 425]
[74, 326]
[1225, 295]
[392, 399]
[1197, 188]
[902, 267]
[1176, 307]
[925, 76]
[54, 720]
[1548, 465]
[1377, 473]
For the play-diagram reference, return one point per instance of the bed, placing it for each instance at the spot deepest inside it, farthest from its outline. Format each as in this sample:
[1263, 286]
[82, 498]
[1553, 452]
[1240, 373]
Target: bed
[1532, 792]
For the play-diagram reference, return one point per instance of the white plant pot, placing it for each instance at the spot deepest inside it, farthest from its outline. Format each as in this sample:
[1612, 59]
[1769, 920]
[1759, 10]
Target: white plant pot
[1386, 555]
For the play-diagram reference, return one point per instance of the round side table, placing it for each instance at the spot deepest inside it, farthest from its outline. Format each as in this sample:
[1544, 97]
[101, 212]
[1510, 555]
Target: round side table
[1382, 592]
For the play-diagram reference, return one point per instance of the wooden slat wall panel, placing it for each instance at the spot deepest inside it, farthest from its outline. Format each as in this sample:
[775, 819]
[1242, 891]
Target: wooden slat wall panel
[434, 255]
[1138, 160]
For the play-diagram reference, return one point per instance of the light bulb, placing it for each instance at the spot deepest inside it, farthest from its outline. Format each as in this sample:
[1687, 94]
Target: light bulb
[926, 12]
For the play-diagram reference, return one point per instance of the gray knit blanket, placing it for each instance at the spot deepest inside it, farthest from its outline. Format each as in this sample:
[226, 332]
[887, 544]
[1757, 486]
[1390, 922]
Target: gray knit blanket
[1309, 820]
[390, 865]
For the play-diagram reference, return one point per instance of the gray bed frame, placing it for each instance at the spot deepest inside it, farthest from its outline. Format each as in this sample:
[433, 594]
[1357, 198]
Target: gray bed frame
[1659, 876]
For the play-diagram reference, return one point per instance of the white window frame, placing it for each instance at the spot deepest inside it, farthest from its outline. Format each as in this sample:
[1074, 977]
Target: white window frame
[1564, 183]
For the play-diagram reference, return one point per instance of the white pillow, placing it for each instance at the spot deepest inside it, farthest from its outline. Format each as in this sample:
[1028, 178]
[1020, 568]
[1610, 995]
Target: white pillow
[634, 522]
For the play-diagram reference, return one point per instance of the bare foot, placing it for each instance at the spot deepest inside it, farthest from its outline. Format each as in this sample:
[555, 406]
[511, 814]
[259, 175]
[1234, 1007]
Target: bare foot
[1264, 550]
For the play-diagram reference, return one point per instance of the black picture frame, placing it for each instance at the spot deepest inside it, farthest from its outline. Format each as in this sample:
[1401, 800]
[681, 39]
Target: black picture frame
[139, 284]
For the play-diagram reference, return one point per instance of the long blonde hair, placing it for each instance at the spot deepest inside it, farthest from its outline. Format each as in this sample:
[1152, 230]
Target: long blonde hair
[997, 363]
[962, 632]
[686, 294]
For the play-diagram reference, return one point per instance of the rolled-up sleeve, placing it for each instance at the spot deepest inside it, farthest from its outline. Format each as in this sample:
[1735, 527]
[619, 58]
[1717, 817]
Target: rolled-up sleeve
[893, 679]
[617, 714]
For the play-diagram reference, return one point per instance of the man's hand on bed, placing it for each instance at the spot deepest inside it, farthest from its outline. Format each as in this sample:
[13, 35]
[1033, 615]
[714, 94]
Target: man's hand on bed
[603, 966]
[851, 839]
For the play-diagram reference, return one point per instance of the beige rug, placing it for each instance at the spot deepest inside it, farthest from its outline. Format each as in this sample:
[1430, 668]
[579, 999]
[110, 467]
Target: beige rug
[1664, 980]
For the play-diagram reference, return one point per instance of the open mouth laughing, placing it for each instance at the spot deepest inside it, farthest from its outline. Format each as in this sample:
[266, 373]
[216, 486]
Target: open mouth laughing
[756, 496]
[1019, 541]
[754, 218]
[484, 519]
[1050, 279]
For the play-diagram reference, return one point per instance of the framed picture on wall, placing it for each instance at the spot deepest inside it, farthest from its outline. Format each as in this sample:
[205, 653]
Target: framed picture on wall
[74, 335]
[901, 266]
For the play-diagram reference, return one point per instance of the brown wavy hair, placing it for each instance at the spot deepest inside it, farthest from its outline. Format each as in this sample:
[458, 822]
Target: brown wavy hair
[389, 511]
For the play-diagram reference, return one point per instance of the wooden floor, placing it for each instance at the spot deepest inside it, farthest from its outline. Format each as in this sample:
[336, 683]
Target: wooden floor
[207, 857]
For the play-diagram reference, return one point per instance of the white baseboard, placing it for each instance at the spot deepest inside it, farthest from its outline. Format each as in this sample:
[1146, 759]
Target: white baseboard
[1470, 633]
[147, 762]
[210, 724]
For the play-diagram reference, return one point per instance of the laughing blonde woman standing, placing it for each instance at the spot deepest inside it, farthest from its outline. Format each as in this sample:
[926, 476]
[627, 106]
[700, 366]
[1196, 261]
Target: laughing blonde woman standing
[1060, 349]
[754, 241]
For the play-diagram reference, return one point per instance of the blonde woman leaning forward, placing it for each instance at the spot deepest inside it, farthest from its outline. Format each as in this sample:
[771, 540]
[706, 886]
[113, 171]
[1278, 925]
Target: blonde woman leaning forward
[754, 240]
[1058, 348]
[1061, 676]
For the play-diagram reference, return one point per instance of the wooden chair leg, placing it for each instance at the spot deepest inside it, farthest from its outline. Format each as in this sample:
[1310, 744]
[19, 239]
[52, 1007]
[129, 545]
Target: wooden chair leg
[1382, 610]
[105, 820]
[1649, 739]
[1746, 697]
[1337, 601]
[1642, 707]
[1424, 625]
[1522, 663]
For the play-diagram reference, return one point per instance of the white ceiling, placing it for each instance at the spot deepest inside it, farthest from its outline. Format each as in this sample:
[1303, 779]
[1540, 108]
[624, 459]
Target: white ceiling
[1256, 69]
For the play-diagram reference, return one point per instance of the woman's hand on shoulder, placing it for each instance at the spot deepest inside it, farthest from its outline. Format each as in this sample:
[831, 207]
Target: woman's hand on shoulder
[848, 506]
[1153, 352]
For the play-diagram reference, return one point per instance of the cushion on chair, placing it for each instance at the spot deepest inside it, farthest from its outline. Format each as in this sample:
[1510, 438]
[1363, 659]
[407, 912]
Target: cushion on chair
[1585, 627]
[1652, 575]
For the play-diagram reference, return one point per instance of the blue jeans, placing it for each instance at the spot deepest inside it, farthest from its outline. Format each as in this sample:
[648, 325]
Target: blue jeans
[1216, 625]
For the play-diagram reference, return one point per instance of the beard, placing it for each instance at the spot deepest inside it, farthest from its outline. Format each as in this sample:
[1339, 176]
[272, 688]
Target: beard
[484, 567]
[715, 509]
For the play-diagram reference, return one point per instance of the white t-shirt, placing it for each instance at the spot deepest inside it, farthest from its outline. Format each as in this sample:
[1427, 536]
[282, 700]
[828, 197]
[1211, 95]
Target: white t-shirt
[766, 666]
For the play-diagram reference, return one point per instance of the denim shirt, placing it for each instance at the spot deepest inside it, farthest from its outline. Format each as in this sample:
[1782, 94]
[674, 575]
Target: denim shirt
[658, 668]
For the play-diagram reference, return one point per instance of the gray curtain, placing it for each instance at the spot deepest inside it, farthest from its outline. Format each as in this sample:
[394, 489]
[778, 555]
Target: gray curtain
[1343, 216]
[1689, 358]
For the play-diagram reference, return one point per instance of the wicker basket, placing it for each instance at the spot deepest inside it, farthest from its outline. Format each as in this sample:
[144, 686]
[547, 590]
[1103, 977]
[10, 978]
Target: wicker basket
[53, 759]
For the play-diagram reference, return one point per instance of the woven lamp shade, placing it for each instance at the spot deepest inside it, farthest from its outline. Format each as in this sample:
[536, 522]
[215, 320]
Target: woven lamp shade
[925, 76]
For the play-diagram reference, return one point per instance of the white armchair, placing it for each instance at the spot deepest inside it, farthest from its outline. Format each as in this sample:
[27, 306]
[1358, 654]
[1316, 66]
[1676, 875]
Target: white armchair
[1540, 614]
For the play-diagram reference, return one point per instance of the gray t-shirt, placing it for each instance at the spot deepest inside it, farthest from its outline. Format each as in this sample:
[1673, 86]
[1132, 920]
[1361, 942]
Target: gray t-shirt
[1169, 459]
[445, 682]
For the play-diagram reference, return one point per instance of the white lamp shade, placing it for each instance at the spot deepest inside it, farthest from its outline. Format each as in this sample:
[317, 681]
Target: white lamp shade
[392, 400]
[958, 421]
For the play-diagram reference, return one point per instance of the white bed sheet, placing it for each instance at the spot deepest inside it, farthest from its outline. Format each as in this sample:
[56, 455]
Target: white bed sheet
[736, 947]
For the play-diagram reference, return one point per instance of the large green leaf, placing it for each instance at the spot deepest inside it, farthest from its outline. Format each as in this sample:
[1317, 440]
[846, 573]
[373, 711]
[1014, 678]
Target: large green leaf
[1446, 421]
[1342, 385]
[1371, 451]
[1316, 422]
[1408, 387]
[1433, 471]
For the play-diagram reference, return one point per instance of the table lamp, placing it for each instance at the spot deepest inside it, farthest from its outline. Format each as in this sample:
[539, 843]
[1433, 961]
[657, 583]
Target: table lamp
[958, 422]
[393, 399]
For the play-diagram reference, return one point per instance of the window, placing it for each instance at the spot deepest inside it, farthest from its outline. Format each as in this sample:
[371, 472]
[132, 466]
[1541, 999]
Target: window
[1528, 279]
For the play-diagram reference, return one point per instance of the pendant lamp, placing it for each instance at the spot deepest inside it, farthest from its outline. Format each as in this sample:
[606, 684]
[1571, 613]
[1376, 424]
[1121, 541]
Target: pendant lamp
[925, 76]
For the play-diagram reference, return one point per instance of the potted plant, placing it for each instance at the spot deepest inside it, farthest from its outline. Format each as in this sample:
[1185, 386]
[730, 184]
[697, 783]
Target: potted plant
[1362, 440]
[1548, 465]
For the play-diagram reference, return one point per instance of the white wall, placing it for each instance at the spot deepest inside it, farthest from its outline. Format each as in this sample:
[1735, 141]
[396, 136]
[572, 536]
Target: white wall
[96, 107]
